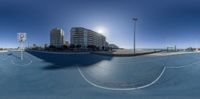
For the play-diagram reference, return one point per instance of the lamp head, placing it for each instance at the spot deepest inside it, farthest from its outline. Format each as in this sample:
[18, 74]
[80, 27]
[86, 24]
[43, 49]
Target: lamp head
[135, 19]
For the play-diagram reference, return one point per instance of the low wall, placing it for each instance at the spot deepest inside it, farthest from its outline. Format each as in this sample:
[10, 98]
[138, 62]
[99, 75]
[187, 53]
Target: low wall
[124, 55]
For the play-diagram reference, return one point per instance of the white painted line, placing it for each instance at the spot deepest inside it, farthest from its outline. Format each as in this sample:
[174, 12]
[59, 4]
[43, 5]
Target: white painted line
[171, 53]
[151, 60]
[107, 88]
[182, 66]
[21, 64]
[3, 51]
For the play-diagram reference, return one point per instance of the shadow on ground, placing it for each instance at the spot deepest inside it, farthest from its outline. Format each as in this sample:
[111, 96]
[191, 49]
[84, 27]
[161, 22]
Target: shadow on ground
[60, 61]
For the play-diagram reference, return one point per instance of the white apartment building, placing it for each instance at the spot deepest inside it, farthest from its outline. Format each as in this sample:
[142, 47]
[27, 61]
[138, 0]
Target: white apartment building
[57, 37]
[85, 37]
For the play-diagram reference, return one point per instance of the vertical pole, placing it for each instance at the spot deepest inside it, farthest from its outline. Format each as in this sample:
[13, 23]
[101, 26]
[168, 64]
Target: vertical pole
[175, 47]
[22, 38]
[134, 36]
[21, 51]
[28, 45]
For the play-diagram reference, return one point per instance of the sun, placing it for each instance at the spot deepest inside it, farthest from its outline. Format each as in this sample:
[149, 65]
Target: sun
[101, 30]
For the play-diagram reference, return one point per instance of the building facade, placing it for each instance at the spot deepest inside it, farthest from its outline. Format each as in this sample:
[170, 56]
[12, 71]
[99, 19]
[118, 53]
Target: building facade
[85, 37]
[57, 37]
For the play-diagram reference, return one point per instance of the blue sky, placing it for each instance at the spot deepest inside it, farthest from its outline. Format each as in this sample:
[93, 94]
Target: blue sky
[161, 22]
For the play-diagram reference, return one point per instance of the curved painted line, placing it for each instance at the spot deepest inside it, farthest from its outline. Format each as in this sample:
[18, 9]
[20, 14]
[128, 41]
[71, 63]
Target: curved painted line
[107, 88]
[151, 60]
[182, 66]
[23, 64]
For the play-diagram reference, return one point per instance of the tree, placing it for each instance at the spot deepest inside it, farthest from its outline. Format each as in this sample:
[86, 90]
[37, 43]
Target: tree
[78, 46]
[52, 46]
[93, 47]
[72, 46]
[65, 47]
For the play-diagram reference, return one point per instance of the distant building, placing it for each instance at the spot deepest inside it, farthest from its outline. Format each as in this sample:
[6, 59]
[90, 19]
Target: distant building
[34, 46]
[66, 43]
[57, 37]
[171, 48]
[85, 37]
[46, 45]
[198, 49]
[113, 46]
[190, 49]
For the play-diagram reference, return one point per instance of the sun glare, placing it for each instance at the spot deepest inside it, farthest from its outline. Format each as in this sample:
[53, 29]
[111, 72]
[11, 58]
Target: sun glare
[101, 30]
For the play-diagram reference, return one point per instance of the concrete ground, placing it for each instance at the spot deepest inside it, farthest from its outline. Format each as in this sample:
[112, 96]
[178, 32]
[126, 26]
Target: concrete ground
[82, 76]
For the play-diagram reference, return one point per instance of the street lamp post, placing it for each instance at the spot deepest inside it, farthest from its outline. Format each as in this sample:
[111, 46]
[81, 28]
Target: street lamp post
[22, 38]
[135, 20]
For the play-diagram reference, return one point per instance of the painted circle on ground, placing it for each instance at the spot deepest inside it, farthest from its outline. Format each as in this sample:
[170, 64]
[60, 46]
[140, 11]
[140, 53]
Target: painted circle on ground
[128, 76]
[19, 62]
